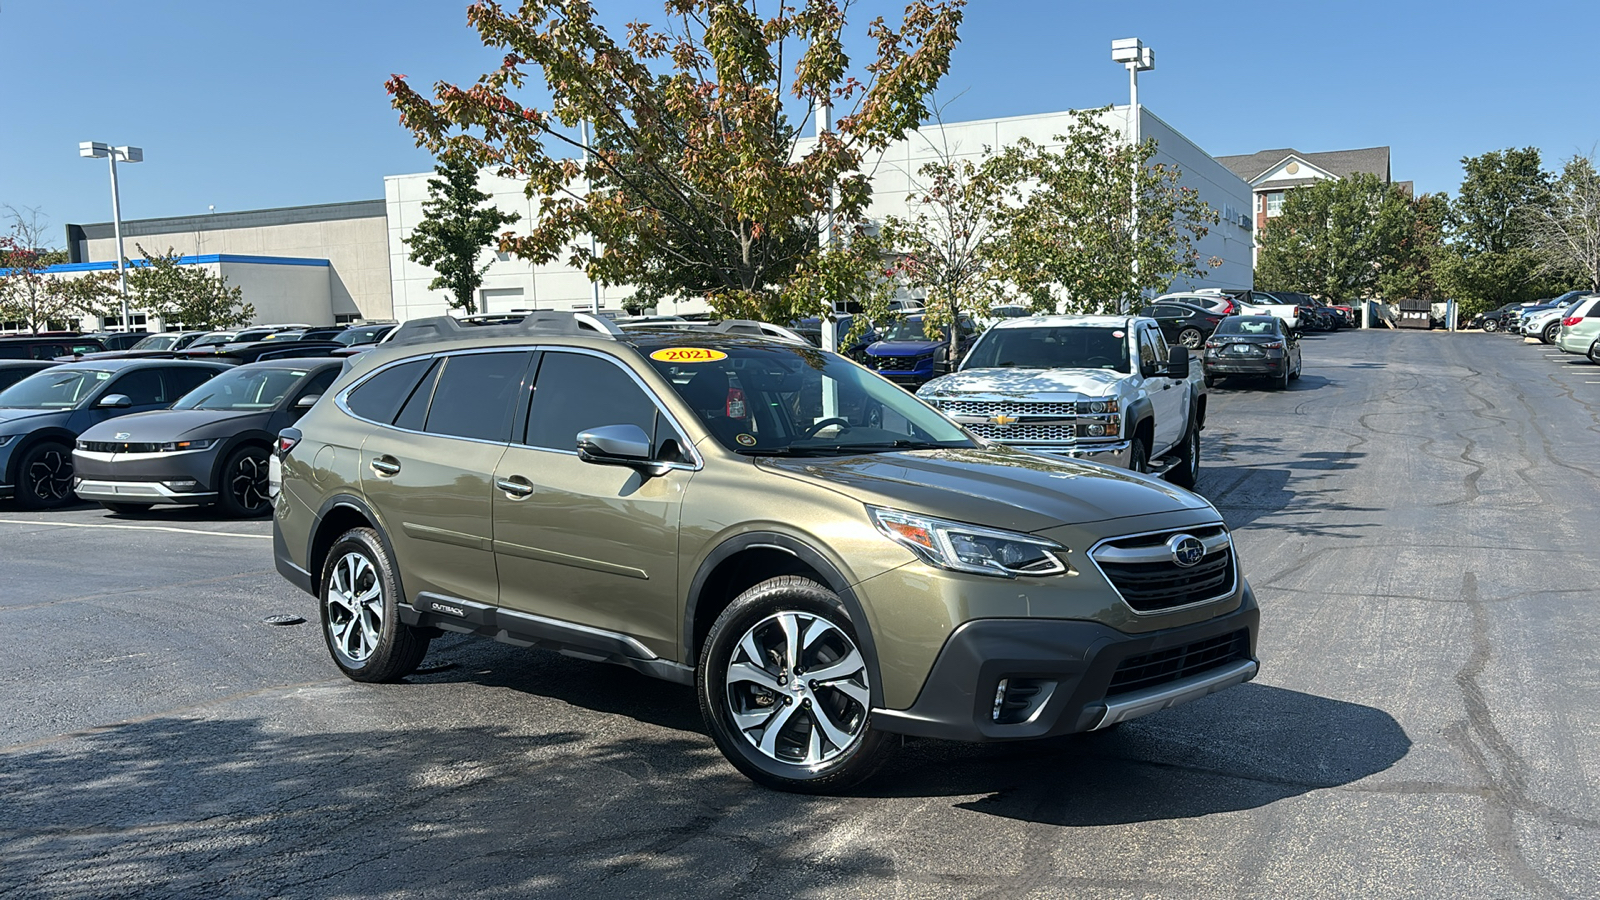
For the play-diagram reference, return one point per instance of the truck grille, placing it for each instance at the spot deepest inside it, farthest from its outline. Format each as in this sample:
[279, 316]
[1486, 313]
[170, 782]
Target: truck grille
[1149, 670]
[1025, 433]
[1007, 408]
[895, 363]
[1162, 584]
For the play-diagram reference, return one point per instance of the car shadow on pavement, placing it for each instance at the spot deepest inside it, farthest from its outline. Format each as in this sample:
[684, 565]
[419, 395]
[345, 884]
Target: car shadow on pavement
[1241, 749]
[1246, 495]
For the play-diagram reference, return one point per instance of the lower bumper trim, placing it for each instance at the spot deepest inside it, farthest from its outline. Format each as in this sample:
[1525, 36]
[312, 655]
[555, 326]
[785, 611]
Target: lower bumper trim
[1166, 696]
[138, 492]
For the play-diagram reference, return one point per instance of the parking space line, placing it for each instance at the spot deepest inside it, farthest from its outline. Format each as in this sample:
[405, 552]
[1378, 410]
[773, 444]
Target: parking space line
[260, 537]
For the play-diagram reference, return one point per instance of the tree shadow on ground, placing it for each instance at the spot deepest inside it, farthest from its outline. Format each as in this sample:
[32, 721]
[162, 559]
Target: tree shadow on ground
[1240, 749]
[1248, 493]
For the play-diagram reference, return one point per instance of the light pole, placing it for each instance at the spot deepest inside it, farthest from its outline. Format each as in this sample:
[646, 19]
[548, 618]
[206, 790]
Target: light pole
[1132, 52]
[97, 150]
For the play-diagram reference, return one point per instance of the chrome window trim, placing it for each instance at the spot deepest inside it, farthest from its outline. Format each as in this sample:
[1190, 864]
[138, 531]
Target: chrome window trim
[1233, 553]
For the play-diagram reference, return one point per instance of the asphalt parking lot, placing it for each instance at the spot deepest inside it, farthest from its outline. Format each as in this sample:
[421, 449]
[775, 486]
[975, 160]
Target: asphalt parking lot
[1417, 515]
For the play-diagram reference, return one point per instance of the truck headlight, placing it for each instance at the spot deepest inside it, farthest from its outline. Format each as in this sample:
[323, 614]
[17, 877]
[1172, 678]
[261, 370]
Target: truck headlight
[969, 548]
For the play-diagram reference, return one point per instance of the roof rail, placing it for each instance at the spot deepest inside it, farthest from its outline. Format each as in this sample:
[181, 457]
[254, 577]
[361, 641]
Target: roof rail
[759, 329]
[448, 328]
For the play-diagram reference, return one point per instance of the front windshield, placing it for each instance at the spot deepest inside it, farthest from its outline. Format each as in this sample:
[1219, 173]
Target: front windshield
[242, 390]
[1074, 347]
[53, 389]
[157, 342]
[1247, 325]
[792, 401]
[207, 340]
[906, 330]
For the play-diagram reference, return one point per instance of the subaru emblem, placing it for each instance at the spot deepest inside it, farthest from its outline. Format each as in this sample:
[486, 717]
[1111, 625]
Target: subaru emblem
[1186, 549]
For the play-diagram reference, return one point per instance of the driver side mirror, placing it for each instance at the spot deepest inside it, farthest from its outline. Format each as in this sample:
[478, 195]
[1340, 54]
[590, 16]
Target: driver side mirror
[306, 402]
[1178, 362]
[619, 445]
[115, 401]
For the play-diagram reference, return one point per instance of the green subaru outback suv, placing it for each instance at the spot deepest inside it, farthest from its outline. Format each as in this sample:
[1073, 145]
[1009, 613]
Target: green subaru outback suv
[829, 561]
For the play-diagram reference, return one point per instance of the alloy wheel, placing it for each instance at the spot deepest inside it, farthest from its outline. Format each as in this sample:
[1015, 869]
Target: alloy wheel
[1190, 337]
[248, 482]
[797, 689]
[355, 607]
[50, 476]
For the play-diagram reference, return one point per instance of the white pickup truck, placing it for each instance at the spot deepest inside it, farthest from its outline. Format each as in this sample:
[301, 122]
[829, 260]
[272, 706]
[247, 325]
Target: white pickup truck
[1261, 303]
[1102, 388]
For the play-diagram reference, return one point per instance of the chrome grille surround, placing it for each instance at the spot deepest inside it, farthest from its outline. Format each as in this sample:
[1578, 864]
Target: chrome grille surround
[1140, 569]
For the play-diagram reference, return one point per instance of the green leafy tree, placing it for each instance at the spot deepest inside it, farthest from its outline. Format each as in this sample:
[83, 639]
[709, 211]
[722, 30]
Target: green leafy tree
[1336, 238]
[1565, 232]
[1490, 259]
[696, 175]
[1069, 234]
[1410, 268]
[455, 230]
[38, 300]
[186, 294]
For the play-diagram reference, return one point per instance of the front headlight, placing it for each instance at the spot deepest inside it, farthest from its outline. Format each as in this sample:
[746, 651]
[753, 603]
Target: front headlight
[969, 548]
[176, 446]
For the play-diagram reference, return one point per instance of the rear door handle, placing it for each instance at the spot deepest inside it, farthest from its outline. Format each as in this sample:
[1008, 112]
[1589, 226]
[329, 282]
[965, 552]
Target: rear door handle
[516, 487]
[386, 465]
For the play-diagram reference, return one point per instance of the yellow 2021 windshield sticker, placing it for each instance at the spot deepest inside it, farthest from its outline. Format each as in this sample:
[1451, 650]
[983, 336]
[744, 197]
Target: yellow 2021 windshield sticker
[688, 355]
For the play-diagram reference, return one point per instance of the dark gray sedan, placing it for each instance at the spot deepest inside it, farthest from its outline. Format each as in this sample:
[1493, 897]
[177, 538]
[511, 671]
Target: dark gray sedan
[211, 447]
[1259, 346]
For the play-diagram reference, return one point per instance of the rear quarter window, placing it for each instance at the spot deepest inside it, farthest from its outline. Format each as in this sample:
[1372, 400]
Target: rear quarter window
[378, 399]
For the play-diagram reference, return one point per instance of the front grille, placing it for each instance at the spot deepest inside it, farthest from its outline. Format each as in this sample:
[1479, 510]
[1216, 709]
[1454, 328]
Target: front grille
[1025, 433]
[120, 447]
[1161, 585]
[1009, 408]
[896, 363]
[1149, 670]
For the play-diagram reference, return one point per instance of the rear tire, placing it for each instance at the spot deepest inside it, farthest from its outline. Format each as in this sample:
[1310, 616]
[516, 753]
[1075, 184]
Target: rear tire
[773, 720]
[1187, 472]
[1212, 380]
[1491, 326]
[1190, 337]
[1594, 352]
[360, 605]
[127, 509]
[44, 477]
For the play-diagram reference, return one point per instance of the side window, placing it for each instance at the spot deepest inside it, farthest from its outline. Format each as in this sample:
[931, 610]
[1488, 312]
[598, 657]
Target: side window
[476, 395]
[378, 398]
[414, 414]
[1147, 350]
[575, 393]
[184, 380]
[143, 387]
[1158, 345]
[48, 351]
[319, 383]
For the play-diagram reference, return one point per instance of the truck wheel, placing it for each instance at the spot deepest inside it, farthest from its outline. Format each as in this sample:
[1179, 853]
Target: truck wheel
[1139, 455]
[1187, 472]
[785, 689]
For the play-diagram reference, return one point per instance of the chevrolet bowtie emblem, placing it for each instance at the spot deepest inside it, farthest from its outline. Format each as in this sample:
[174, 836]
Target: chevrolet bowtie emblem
[1003, 420]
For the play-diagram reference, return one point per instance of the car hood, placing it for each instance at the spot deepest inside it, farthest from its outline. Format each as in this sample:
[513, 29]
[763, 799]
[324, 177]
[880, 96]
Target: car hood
[903, 348]
[175, 424]
[1066, 384]
[15, 421]
[991, 485]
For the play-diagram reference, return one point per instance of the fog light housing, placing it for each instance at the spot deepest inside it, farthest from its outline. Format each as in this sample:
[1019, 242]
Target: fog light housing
[1097, 430]
[181, 484]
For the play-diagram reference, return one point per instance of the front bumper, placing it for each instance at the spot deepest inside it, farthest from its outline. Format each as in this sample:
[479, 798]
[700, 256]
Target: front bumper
[179, 477]
[1072, 676]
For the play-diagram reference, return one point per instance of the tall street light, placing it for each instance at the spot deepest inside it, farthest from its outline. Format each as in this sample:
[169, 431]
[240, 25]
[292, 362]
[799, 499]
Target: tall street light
[97, 150]
[1132, 52]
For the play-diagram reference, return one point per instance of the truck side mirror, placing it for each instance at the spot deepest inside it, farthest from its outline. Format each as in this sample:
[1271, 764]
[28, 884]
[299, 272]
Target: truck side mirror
[1178, 362]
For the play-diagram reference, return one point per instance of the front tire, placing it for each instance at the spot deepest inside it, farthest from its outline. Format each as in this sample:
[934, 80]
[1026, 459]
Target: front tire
[360, 598]
[1139, 455]
[44, 476]
[1187, 472]
[242, 484]
[786, 691]
[1548, 335]
[1491, 326]
[1594, 352]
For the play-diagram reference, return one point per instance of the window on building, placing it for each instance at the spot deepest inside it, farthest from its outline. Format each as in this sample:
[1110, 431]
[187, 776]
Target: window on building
[1275, 203]
[346, 318]
[499, 300]
[136, 322]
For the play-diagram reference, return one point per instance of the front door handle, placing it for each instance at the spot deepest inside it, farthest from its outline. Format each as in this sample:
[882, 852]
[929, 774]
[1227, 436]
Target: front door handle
[516, 487]
[386, 465]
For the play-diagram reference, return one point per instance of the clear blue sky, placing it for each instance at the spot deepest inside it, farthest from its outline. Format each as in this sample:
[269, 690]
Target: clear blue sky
[247, 105]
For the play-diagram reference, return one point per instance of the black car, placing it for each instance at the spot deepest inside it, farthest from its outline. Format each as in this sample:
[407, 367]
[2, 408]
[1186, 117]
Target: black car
[357, 335]
[1252, 345]
[48, 346]
[257, 351]
[1183, 323]
[118, 340]
[212, 446]
[42, 415]
[14, 370]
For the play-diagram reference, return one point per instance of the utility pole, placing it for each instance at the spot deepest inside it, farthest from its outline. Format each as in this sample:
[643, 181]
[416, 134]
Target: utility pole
[98, 150]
